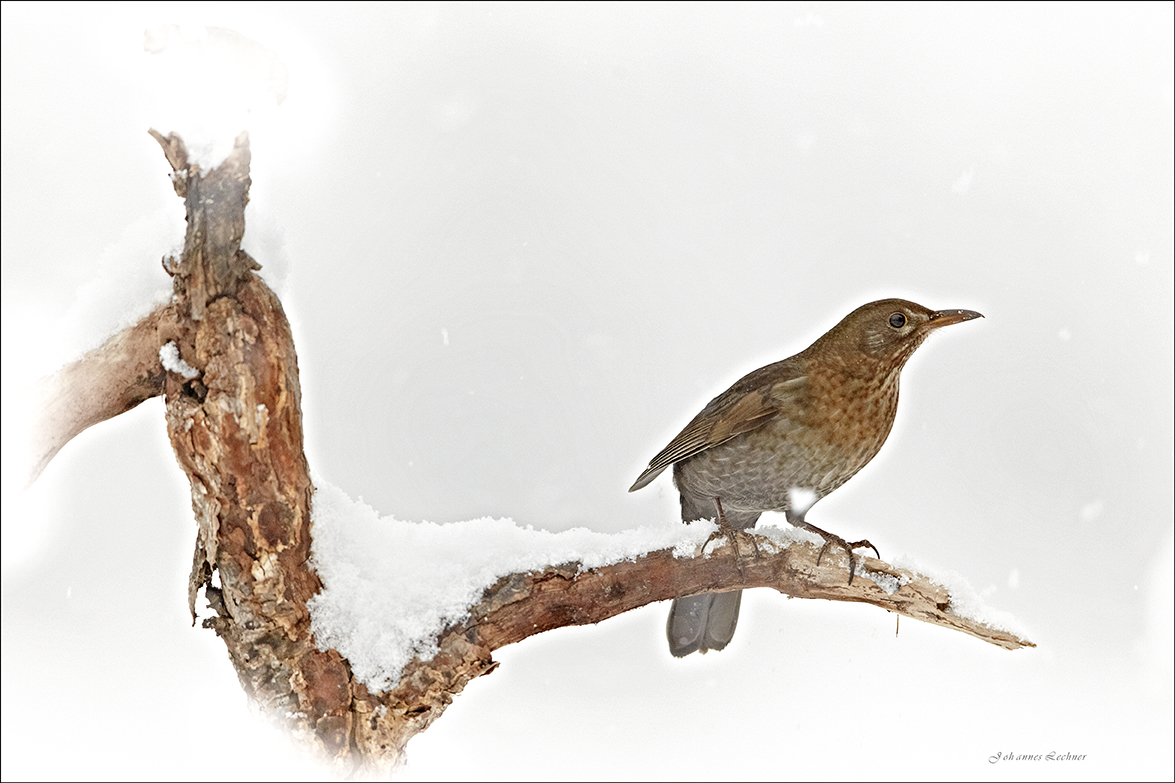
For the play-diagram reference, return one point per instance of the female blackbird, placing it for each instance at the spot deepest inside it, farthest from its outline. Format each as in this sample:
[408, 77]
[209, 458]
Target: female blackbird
[785, 436]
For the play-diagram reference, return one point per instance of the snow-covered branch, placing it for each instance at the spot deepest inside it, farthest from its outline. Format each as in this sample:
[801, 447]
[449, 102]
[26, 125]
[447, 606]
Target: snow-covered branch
[523, 605]
[223, 354]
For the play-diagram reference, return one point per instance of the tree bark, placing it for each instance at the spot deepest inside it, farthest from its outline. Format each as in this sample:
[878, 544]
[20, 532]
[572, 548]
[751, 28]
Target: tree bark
[236, 429]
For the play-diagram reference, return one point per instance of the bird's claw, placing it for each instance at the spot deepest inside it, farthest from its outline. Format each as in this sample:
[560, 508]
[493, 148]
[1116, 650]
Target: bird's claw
[721, 532]
[725, 531]
[830, 539]
[862, 544]
[732, 534]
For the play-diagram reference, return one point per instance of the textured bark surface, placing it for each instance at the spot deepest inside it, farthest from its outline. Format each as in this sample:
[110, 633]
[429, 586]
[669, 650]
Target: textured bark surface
[525, 604]
[236, 428]
[237, 433]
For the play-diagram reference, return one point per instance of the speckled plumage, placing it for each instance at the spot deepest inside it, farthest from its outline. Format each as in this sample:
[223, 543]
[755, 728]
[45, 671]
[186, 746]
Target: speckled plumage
[809, 422]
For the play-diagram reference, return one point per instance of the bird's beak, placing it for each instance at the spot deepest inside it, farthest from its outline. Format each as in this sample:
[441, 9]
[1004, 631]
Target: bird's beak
[948, 317]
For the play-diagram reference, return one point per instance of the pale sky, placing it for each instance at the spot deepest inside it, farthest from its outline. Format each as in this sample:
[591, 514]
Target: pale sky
[520, 247]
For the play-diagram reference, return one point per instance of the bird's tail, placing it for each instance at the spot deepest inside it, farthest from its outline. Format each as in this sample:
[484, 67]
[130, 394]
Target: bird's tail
[699, 623]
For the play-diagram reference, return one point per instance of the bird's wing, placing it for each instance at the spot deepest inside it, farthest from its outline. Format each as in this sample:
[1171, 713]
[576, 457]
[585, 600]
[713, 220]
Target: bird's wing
[752, 402]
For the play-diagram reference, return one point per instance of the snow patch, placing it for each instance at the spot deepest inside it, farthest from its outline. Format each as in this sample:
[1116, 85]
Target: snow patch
[169, 355]
[887, 582]
[965, 601]
[390, 586]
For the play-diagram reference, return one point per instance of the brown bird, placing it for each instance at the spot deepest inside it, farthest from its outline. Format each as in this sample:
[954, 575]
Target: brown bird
[785, 436]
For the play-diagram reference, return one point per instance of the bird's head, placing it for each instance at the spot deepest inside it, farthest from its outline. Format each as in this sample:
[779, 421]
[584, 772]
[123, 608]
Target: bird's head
[886, 333]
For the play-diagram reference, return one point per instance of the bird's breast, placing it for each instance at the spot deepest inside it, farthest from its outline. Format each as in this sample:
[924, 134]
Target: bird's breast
[817, 447]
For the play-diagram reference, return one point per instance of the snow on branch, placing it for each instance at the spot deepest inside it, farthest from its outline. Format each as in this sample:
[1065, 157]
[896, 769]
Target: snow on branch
[392, 589]
[521, 605]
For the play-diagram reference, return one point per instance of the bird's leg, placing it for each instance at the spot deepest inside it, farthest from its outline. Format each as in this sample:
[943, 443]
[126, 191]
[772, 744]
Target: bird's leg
[735, 532]
[830, 539]
[726, 531]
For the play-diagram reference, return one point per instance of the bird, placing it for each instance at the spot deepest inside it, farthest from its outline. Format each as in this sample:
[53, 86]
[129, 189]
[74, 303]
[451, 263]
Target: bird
[786, 435]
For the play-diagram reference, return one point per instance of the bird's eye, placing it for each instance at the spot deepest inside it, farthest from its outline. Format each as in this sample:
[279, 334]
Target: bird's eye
[897, 320]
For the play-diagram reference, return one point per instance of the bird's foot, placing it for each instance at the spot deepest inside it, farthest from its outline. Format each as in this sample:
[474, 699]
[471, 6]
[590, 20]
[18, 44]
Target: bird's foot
[731, 534]
[830, 539]
[725, 530]
[721, 532]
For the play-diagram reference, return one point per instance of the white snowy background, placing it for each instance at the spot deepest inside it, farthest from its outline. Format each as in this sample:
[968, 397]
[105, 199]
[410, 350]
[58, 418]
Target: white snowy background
[520, 246]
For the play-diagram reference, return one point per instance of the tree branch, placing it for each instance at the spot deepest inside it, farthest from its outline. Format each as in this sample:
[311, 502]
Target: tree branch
[522, 605]
[109, 380]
